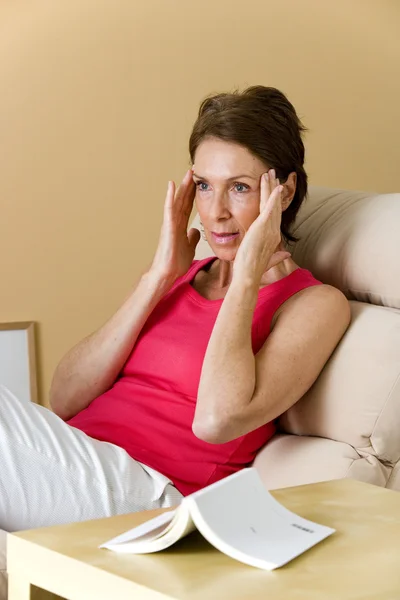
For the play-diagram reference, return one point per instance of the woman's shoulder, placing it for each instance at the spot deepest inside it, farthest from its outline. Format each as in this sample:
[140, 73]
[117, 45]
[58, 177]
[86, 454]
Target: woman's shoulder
[320, 297]
[301, 288]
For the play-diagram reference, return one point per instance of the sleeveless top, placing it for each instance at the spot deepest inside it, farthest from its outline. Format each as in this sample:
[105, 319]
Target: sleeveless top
[150, 408]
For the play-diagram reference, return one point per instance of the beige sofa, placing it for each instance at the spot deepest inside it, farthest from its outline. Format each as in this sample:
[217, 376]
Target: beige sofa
[348, 424]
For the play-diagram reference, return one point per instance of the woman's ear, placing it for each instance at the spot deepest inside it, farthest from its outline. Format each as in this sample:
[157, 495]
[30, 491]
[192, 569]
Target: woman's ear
[289, 190]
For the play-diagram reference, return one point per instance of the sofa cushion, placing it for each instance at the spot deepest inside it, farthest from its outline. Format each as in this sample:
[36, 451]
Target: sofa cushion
[356, 398]
[289, 460]
[394, 479]
[350, 240]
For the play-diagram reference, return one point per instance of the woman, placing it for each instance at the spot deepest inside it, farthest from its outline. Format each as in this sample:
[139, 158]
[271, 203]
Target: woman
[182, 386]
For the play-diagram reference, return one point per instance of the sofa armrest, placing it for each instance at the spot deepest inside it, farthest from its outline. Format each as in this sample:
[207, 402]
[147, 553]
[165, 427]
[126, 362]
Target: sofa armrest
[288, 460]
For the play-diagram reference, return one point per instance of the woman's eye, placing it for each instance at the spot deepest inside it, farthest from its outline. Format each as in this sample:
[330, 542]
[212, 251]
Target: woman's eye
[241, 187]
[202, 186]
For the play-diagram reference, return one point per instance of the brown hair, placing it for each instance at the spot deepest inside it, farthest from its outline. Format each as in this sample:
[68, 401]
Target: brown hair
[264, 121]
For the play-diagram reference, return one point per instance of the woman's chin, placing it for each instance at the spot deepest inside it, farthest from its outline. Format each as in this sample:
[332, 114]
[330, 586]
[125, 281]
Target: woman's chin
[227, 254]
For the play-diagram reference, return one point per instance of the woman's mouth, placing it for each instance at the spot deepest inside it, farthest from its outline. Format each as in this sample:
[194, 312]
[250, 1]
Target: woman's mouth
[224, 238]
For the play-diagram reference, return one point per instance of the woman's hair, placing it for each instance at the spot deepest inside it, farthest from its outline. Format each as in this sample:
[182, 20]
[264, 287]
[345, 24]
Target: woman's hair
[264, 121]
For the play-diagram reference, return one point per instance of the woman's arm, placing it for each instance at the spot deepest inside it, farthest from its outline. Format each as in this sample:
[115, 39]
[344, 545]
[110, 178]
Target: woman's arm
[91, 367]
[238, 391]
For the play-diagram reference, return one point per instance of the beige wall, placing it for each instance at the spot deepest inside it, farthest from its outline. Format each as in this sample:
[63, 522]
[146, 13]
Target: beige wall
[96, 104]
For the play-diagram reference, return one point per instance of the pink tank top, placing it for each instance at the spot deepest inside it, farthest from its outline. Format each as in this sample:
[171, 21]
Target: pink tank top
[149, 410]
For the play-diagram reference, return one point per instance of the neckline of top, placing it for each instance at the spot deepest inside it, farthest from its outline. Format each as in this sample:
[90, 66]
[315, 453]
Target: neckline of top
[197, 297]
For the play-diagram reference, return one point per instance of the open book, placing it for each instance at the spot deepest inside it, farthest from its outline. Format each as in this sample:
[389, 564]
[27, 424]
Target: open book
[238, 516]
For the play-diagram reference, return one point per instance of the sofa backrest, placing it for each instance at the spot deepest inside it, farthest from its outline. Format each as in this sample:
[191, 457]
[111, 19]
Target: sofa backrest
[351, 240]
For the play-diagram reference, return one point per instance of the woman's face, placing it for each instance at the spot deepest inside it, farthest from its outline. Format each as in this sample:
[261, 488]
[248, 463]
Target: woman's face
[227, 178]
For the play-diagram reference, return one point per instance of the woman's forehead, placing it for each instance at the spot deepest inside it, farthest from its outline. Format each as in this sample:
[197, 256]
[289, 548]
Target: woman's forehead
[225, 160]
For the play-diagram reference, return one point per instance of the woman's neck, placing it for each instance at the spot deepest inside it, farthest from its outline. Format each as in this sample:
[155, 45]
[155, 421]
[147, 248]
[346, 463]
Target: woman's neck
[220, 273]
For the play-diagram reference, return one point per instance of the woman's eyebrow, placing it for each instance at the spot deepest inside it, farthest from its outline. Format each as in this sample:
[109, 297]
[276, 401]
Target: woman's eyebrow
[230, 178]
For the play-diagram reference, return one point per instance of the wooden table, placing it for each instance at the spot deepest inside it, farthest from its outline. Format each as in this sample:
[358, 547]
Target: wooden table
[361, 560]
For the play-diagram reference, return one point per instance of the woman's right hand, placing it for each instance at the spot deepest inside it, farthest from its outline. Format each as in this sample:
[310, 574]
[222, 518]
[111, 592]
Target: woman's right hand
[176, 246]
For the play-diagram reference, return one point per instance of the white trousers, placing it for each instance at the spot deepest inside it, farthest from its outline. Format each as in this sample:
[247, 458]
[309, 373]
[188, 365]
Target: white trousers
[51, 473]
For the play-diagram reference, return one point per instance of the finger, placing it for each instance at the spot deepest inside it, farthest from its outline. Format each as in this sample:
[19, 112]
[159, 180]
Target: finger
[194, 238]
[180, 195]
[276, 199]
[274, 180]
[179, 192]
[183, 210]
[185, 202]
[281, 247]
[169, 203]
[276, 194]
[277, 258]
[169, 198]
[264, 191]
[274, 202]
[189, 196]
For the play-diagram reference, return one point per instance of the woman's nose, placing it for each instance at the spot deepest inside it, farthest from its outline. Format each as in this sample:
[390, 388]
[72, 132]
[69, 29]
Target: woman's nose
[219, 207]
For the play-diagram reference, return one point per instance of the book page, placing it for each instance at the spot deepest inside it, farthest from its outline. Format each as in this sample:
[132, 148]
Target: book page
[154, 535]
[242, 519]
[149, 530]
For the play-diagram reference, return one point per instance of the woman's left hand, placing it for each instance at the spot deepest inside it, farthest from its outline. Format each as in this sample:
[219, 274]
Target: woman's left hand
[257, 252]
